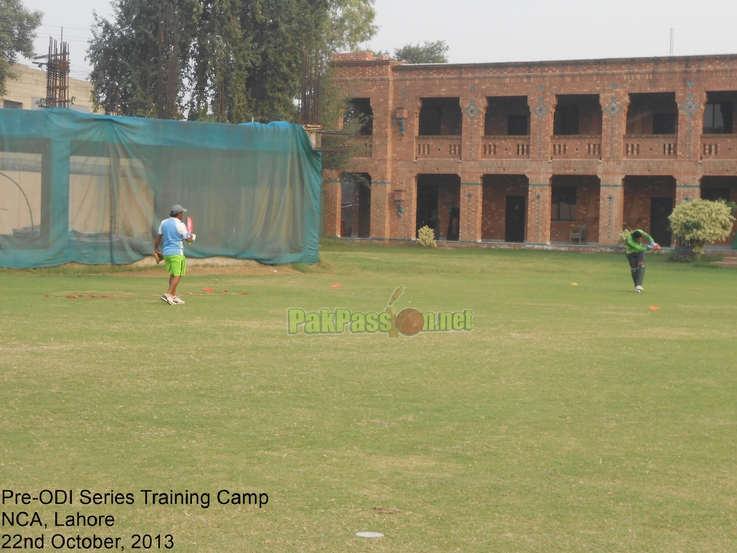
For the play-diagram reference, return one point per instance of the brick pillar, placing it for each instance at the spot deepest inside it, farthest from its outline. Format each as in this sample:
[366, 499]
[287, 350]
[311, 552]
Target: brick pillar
[542, 107]
[473, 125]
[333, 191]
[691, 104]
[380, 192]
[538, 209]
[611, 209]
[470, 223]
[614, 105]
[687, 188]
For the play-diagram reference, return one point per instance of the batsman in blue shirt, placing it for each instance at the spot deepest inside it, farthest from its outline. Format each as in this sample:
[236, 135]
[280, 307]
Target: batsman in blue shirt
[173, 232]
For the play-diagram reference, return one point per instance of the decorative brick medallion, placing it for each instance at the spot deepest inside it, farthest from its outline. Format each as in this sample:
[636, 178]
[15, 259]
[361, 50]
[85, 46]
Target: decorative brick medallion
[613, 108]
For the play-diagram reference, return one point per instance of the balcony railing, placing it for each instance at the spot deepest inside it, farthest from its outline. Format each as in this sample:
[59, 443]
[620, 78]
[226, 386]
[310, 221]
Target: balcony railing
[576, 147]
[505, 147]
[719, 146]
[650, 146]
[713, 146]
[438, 147]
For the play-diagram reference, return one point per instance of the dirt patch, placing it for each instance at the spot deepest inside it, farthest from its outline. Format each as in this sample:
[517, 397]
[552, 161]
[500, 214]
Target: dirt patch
[728, 262]
[147, 267]
[249, 270]
[204, 270]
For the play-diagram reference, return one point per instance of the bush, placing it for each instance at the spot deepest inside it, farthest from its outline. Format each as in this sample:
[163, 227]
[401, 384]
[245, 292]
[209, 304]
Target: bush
[622, 240]
[700, 221]
[426, 237]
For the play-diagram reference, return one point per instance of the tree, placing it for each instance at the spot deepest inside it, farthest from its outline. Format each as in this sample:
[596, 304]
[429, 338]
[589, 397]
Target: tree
[125, 59]
[349, 23]
[430, 52]
[220, 55]
[279, 31]
[700, 221]
[17, 31]
[237, 59]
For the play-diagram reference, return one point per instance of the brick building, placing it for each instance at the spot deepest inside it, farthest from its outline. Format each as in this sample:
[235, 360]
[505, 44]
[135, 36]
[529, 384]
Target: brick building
[541, 153]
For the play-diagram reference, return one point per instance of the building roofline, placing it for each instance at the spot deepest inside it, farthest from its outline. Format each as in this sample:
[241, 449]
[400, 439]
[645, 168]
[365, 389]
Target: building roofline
[655, 60]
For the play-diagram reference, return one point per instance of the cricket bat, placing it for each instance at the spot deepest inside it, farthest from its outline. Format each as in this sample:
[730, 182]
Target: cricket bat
[190, 228]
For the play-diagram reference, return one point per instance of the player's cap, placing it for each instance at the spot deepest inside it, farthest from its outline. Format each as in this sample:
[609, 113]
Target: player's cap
[176, 210]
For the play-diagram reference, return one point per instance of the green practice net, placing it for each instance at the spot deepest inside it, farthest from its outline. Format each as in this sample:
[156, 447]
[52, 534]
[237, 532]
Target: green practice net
[93, 189]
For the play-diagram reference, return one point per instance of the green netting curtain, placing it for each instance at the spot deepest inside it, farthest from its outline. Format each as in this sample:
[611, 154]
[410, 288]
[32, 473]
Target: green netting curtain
[93, 189]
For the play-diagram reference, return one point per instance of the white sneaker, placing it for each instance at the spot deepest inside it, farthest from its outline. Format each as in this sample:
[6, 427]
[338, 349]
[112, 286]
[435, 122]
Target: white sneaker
[168, 299]
[638, 289]
[177, 300]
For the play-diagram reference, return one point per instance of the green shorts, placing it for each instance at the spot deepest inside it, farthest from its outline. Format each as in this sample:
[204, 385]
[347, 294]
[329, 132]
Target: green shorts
[176, 265]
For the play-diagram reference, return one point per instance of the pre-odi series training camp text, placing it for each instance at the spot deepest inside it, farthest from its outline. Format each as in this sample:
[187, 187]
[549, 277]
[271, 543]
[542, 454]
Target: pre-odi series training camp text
[69, 519]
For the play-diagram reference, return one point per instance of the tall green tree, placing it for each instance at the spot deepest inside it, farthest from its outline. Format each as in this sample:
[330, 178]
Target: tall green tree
[278, 29]
[349, 23]
[125, 55]
[220, 56]
[17, 31]
[238, 59]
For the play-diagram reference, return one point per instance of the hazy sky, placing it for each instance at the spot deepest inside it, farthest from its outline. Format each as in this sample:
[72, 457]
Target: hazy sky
[492, 30]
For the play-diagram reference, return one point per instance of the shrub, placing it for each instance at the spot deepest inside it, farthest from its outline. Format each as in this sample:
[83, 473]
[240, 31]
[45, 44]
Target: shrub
[426, 237]
[622, 240]
[700, 221]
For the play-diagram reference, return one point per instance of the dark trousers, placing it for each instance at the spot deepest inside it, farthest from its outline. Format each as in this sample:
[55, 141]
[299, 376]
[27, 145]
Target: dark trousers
[635, 258]
[637, 267]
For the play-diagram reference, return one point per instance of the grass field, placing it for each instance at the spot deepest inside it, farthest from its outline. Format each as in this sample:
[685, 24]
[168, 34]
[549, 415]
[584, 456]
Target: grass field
[572, 418]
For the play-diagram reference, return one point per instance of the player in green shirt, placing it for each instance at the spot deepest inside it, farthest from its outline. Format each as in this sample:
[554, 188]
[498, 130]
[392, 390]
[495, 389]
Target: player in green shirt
[636, 255]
